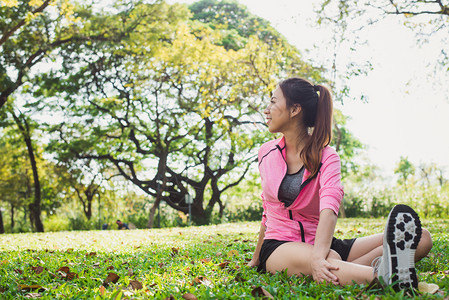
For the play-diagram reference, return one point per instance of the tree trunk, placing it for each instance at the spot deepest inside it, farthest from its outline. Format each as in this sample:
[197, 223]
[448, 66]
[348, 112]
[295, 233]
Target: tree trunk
[89, 198]
[35, 207]
[2, 227]
[31, 216]
[156, 203]
[153, 211]
[12, 217]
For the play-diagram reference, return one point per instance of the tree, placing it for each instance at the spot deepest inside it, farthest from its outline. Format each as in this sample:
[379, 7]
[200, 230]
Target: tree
[426, 17]
[16, 188]
[31, 31]
[405, 169]
[174, 111]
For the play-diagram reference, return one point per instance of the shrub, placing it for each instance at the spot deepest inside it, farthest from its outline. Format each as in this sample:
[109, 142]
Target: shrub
[57, 223]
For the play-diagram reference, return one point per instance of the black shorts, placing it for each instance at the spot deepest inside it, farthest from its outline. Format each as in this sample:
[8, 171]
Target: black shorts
[342, 247]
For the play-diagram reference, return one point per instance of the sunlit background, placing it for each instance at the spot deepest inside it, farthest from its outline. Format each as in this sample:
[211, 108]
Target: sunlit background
[407, 108]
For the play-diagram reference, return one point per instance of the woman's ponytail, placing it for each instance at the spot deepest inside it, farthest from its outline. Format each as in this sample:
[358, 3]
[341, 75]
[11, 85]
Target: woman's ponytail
[322, 131]
[316, 104]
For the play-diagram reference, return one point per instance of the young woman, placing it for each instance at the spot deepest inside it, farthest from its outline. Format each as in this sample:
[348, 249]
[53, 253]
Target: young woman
[302, 192]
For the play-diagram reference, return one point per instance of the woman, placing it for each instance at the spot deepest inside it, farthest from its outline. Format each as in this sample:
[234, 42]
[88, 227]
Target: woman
[302, 192]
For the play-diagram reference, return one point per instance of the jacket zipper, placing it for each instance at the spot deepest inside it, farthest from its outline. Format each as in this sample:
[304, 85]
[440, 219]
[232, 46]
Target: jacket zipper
[289, 211]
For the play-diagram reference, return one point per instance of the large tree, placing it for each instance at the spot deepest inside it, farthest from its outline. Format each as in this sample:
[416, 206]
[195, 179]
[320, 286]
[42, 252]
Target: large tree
[173, 108]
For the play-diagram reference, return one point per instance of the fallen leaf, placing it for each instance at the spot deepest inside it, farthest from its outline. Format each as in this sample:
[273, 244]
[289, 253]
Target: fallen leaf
[205, 260]
[430, 288]
[170, 298]
[91, 254]
[223, 264]
[38, 269]
[233, 253]
[102, 290]
[135, 285]
[175, 250]
[189, 296]
[18, 271]
[219, 254]
[261, 292]
[33, 295]
[63, 269]
[71, 276]
[110, 268]
[130, 272]
[69, 250]
[112, 277]
[25, 287]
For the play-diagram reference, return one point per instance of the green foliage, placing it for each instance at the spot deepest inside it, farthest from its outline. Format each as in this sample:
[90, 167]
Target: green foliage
[208, 262]
[57, 223]
[405, 169]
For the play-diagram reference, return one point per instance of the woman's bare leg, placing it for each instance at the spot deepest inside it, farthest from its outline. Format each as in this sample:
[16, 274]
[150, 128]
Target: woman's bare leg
[295, 258]
[365, 249]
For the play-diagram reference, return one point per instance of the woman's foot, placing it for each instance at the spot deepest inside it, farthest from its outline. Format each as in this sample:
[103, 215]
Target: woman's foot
[401, 237]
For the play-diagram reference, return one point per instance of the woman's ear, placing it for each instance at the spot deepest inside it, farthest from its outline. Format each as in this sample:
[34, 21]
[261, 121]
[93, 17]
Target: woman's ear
[295, 110]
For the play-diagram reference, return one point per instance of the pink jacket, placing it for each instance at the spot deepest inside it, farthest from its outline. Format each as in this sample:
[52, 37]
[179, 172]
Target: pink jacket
[299, 221]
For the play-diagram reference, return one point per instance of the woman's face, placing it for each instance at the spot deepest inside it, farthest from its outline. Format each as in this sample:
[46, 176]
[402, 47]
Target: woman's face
[277, 113]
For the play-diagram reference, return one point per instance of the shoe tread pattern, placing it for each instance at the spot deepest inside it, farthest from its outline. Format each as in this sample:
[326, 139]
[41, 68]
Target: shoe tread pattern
[404, 232]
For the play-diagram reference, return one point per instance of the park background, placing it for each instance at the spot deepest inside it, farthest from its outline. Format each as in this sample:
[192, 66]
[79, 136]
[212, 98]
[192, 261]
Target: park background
[119, 110]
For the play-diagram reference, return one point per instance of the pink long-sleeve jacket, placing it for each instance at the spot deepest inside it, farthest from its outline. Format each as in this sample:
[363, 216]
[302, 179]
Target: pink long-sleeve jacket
[299, 221]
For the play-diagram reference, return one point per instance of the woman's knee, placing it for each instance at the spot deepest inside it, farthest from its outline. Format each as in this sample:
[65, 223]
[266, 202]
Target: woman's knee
[333, 255]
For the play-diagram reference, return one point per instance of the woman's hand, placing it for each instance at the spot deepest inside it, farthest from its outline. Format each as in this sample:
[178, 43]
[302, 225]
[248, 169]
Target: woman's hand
[321, 271]
[253, 263]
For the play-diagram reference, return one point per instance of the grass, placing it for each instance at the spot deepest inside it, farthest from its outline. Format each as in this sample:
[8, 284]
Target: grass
[208, 262]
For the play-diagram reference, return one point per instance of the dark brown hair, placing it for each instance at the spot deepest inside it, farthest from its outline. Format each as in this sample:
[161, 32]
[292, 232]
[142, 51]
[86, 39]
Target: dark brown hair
[316, 105]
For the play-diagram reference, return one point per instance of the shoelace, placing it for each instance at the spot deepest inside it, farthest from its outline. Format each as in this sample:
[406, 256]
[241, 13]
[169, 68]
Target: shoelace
[376, 264]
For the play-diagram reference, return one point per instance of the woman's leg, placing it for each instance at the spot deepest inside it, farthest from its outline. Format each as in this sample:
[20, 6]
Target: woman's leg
[295, 257]
[365, 249]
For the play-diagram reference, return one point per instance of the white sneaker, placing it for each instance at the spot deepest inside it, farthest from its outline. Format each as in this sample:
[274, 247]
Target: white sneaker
[401, 237]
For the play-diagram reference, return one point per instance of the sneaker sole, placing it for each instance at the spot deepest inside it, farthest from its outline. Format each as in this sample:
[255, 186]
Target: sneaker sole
[403, 235]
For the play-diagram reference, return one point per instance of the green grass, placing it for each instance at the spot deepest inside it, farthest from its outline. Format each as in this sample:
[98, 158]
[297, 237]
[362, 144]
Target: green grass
[176, 261]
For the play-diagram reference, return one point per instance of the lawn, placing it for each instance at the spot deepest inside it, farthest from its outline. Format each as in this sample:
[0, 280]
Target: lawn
[207, 262]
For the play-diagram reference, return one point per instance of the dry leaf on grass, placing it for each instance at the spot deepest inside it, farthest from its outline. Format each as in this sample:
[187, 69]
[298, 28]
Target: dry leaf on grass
[223, 265]
[135, 285]
[189, 296]
[102, 290]
[25, 287]
[430, 288]
[205, 260]
[170, 298]
[112, 277]
[38, 269]
[33, 295]
[261, 292]
[233, 253]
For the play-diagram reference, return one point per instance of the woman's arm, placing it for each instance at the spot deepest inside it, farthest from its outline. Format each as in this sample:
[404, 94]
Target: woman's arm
[255, 260]
[321, 269]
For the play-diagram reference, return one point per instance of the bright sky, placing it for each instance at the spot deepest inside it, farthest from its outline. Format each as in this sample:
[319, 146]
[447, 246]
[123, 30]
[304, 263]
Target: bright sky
[407, 113]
